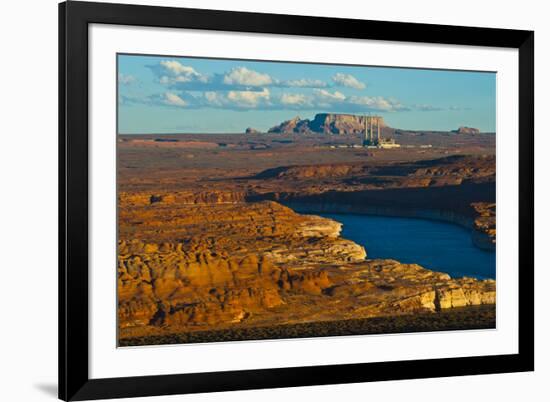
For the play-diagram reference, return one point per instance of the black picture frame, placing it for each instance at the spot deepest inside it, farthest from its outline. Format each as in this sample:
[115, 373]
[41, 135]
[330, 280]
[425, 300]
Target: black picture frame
[74, 381]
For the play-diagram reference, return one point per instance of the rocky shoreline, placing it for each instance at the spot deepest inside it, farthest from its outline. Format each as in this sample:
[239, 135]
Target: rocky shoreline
[480, 238]
[457, 189]
[209, 245]
[256, 264]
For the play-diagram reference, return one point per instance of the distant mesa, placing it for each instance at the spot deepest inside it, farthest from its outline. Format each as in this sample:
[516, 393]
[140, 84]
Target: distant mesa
[340, 124]
[292, 126]
[251, 130]
[324, 123]
[466, 130]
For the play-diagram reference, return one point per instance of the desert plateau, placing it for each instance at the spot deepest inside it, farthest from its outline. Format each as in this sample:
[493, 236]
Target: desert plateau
[225, 237]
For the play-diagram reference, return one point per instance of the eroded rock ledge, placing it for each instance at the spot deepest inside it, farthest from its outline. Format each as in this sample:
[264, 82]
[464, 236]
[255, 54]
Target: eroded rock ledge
[185, 267]
[460, 189]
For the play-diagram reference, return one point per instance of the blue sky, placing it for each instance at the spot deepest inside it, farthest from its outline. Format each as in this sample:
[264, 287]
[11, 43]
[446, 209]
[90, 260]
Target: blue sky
[159, 94]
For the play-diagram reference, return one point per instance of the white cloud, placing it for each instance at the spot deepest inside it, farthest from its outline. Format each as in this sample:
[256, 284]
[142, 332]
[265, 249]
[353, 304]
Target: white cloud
[244, 76]
[321, 99]
[329, 96]
[237, 99]
[214, 98]
[316, 100]
[172, 72]
[176, 68]
[347, 80]
[126, 79]
[294, 99]
[172, 99]
[248, 98]
[179, 77]
[427, 108]
[377, 103]
[304, 83]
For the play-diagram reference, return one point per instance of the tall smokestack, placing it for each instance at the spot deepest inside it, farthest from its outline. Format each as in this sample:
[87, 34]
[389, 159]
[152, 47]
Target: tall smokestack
[371, 137]
[366, 131]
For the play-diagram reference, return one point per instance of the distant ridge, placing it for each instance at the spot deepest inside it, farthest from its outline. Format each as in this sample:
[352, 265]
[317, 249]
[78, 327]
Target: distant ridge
[324, 123]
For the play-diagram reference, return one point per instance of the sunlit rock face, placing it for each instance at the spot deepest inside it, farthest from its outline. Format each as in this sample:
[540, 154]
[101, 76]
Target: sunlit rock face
[324, 123]
[205, 242]
[207, 266]
[168, 286]
[467, 130]
[340, 124]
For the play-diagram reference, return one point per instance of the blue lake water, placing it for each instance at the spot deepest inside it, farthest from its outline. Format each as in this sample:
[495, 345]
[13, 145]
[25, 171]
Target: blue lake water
[435, 245]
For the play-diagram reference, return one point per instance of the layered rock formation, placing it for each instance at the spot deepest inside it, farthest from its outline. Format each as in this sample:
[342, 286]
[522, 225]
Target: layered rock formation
[451, 170]
[467, 130]
[485, 225]
[324, 123]
[205, 243]
[251, 130]
[341, 124]
[163, 284]
[136, 199]
[292, 126]
[186, 267]
[458, 189]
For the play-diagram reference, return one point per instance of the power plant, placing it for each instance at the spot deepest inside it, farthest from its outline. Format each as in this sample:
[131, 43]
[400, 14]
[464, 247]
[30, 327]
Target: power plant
[372, 137]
